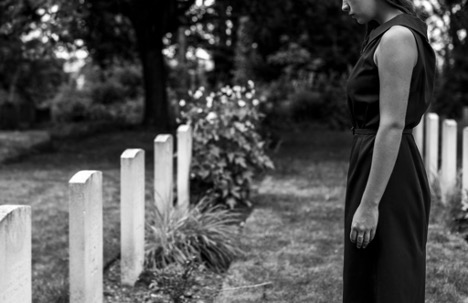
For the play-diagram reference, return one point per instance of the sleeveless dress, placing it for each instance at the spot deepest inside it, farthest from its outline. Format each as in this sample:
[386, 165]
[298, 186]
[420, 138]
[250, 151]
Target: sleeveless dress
[392, 268]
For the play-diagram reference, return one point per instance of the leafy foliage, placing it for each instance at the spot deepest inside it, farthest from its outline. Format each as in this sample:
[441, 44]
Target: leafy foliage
[30, 72]
[319, 99]
[451, 92]
[114, 93]
[109, 31]
[206, 234]
[278, 34]
[227, 146]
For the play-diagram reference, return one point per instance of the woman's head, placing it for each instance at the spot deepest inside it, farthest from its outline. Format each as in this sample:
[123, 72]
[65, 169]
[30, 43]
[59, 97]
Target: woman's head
[365, 11]
[368, 11]
[406, 6]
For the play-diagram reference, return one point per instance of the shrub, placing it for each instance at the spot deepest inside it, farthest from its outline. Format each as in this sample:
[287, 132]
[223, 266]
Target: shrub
[206, 234]
[453, 213]
[70, 105]
[276, 105]
[227, 146]
[107, 92]
[333, 90]
[111, 95]
[307, 105]
[317, 98]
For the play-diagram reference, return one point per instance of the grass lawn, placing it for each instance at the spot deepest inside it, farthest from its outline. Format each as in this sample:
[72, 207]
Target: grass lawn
[41, 180]
[294, 237]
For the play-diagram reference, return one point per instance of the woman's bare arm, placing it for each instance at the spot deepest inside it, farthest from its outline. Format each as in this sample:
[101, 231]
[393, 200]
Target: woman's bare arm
[395, 57]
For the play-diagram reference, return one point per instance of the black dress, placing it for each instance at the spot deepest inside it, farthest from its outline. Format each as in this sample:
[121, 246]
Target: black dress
[392, 268]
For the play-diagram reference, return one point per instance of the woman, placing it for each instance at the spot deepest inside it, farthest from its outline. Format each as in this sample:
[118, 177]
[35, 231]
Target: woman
[388, 195]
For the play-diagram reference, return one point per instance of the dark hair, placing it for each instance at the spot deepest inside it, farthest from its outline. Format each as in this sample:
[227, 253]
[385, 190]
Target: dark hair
[406, 6]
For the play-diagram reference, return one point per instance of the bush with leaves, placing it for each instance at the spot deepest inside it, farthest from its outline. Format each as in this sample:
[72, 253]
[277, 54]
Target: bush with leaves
[313, 98]
[227, 146]
[113, 94]
[332, 88]
[206, 234]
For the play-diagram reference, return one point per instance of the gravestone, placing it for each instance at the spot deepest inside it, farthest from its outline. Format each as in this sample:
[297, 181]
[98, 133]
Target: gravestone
[15, 254]
[132, 215]
[465, 116]
[465, 166]
[448, 169]
[86, 237]
[432, 146]
[419, 135]
[184, 158]
[163, 173]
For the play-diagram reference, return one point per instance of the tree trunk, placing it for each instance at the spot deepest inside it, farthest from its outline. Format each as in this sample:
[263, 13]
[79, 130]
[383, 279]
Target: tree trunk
[150, 46]
[184, 80]
[156, 111]
[151, 21]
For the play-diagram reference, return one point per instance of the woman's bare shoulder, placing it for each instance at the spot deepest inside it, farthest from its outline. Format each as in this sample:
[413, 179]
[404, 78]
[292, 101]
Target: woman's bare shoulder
[398, 34]
[398, 43]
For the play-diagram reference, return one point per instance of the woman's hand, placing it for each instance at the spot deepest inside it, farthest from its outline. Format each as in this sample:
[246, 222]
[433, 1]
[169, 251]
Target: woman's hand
[364, 225]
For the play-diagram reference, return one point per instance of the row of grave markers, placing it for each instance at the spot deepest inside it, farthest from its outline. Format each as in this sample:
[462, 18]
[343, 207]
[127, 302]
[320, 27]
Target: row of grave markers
[85, 209]
[86, 222]
[428, 137]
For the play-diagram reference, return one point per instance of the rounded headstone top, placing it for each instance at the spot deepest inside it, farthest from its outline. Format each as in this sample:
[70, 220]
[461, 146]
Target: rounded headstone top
[450, 122]
[83, 176]
[5, 210]
[163, 138]
[184, 128]
[131, 153]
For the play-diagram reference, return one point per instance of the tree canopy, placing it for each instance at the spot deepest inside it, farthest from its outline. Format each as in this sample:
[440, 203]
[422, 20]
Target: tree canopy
[247, 39]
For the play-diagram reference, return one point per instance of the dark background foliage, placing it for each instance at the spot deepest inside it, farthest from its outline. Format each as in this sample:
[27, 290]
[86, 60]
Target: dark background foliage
[297, 52]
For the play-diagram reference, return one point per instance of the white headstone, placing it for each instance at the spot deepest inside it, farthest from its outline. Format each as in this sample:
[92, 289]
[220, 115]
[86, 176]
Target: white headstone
[432, 146]
[465, 115]
[184, 158]
[132, 215]
[15, 254]
[448, 169]
[419, 135]
[86, 237]
[163, 173]
[465, 166]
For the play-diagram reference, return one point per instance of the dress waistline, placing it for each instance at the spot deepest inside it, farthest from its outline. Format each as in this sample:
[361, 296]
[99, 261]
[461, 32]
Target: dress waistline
[369, 131]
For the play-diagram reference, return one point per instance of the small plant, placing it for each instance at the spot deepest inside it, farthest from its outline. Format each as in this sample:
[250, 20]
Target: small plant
[464, 202]
[227, 146]
[174, 280]
[453, 212]
[206, 234]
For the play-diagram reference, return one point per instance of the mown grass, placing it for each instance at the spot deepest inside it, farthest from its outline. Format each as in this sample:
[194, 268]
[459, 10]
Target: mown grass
[294, 237]
[41, 181]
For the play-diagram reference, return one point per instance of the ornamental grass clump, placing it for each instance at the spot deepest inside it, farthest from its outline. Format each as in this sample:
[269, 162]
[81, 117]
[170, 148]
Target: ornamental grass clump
[227, 146]
[207, 234]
